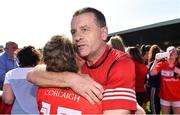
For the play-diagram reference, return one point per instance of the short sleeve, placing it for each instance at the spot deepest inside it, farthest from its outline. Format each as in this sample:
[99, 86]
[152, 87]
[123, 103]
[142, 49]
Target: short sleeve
[120, 88]
[7, 78]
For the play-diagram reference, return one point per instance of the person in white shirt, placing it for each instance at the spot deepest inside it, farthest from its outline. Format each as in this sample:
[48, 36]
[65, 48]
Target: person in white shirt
[17, 90]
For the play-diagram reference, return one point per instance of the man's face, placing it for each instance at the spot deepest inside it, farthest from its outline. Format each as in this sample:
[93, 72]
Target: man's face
[11, 49]
[86, 34]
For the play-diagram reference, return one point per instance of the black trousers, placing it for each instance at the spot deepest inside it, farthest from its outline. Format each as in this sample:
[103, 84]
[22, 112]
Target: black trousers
[155, 101]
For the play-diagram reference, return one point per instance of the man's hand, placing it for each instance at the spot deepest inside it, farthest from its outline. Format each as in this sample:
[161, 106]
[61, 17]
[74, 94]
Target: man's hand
[86, 87]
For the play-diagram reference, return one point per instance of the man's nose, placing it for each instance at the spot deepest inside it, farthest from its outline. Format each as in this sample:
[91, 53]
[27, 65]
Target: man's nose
[78, 37]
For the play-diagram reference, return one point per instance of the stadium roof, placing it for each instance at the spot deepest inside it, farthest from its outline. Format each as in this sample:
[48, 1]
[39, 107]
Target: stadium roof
[164, 34]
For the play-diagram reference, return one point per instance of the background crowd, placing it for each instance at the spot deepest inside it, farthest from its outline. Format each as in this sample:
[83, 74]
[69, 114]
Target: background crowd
[157, 73]
[147, 86]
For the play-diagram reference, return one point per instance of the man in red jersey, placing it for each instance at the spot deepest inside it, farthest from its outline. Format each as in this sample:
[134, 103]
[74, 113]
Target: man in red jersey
[111, 68]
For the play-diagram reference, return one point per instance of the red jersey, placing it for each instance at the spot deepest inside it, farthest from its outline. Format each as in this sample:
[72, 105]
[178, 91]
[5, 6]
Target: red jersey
[169, 86]
[116, 72]
[64, 101]
[141, 72]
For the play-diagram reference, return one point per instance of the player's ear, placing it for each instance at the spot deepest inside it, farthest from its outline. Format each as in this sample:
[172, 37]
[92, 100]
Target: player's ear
[104, 33]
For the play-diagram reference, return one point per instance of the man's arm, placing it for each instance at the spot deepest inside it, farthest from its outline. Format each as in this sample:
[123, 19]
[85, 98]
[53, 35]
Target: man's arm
[83, 85]
[39, 76]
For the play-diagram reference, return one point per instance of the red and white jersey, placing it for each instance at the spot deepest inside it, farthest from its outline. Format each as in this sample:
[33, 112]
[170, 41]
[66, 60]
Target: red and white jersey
[169, 86]
[64, 102]
[116, 72]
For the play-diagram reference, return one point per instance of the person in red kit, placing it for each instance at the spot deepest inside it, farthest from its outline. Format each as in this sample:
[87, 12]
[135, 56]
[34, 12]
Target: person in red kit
[170, 84]
[141, 72]
[109, 68]
[59, 56]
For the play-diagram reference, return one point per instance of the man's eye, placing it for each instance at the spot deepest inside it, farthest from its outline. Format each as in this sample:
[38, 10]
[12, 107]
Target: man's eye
[72, 32]
[84, 29]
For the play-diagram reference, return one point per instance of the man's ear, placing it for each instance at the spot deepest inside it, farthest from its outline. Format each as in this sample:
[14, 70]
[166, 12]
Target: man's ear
[104, 33]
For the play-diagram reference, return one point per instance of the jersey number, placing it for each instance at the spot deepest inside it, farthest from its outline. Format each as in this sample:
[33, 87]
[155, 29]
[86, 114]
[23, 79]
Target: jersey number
[46, 107]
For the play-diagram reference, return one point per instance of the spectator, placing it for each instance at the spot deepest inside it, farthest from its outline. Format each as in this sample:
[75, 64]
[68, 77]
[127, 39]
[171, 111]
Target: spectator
[112, 68]
[116, 43]
[141, 72]
[144, 52]
[144, 49]
[7, 60]
[17, 90]
[154, 82]
[169, 85]
[1, 48]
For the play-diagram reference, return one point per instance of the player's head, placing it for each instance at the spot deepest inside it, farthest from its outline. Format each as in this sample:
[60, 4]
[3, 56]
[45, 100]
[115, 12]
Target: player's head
[59, 55]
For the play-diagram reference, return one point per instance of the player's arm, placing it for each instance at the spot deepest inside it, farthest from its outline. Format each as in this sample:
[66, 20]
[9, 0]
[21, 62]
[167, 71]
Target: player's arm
[81, 84]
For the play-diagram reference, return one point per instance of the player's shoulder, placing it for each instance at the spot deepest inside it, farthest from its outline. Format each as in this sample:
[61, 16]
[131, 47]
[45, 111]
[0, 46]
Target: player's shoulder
[120, 56]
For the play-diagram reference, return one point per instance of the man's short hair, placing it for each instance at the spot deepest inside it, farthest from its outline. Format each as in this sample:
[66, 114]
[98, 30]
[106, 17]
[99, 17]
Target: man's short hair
[100, 18]
[9, 43]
